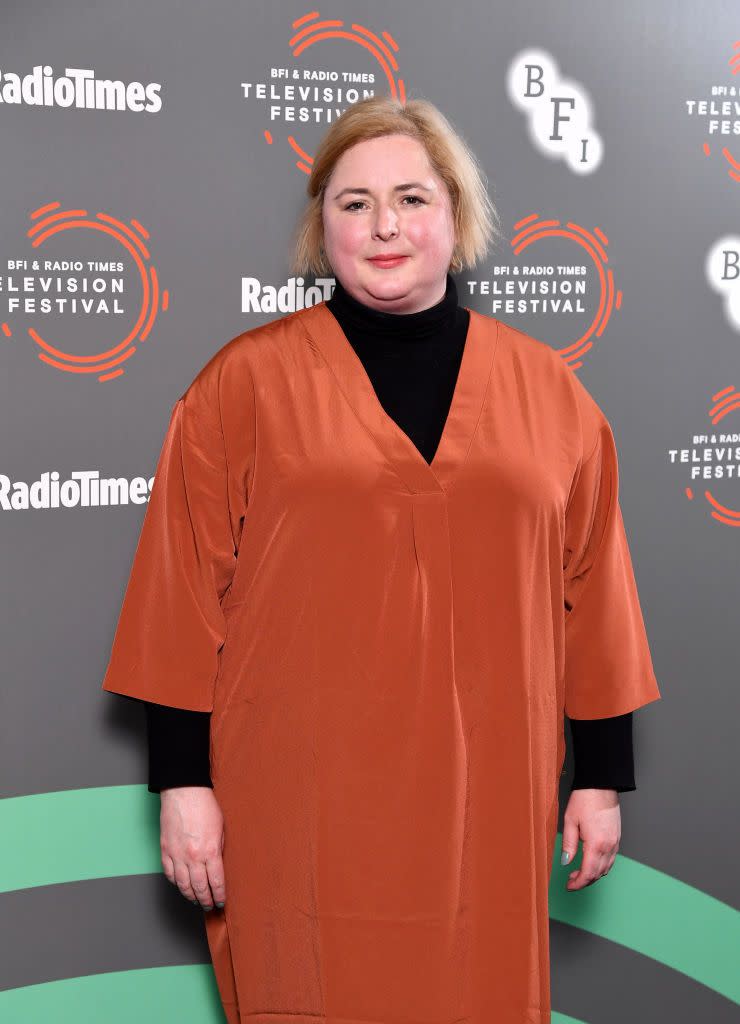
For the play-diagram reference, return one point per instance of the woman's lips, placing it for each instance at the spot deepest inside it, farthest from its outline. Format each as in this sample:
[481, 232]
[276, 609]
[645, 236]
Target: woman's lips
[383, 261]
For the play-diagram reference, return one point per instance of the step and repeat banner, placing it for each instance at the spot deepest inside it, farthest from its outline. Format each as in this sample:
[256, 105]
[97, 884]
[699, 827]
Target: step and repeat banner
[154, 163]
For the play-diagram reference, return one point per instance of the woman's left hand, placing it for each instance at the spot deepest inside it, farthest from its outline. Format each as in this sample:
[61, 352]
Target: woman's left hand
[594, 815]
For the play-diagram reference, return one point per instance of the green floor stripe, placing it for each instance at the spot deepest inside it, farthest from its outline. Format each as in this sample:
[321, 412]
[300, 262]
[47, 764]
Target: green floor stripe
[187, 995]
[78, 834]
[110, 831]
[659, 916]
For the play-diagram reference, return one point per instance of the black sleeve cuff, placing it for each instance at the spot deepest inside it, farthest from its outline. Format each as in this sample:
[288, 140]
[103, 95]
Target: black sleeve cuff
[179, 739]
[179, 747]
[602, 753]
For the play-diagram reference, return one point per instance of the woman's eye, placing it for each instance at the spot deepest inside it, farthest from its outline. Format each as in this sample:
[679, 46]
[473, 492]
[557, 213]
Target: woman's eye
[358, 202]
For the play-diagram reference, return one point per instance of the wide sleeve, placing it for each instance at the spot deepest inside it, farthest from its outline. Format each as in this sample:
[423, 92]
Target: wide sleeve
[608, 666]
[171, 625]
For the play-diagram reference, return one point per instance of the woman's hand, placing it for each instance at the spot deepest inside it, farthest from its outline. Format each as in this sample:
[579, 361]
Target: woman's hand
[593, 814]
[191, 841]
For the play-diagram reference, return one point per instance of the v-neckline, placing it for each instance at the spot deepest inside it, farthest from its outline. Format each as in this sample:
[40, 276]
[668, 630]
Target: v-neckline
[400, 451]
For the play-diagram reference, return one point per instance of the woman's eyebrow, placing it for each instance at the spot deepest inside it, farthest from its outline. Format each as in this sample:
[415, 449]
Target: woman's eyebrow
[396, 188]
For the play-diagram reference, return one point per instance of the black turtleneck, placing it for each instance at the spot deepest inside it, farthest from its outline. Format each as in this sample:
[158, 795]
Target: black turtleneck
[412, 360]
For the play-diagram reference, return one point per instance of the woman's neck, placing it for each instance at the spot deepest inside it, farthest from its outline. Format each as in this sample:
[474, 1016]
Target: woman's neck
[435, 320]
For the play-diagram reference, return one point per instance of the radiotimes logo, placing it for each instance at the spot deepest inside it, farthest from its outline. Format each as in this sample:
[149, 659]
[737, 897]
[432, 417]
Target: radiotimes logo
[258, 297]
[94, 278]
[83, 488]
[712, 460]
[565, 275]
[78, 87]
[558, 110]
[334, 64]
[718, 114]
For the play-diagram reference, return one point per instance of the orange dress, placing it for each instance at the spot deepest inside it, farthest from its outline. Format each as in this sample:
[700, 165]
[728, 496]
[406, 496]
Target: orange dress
[387, 648]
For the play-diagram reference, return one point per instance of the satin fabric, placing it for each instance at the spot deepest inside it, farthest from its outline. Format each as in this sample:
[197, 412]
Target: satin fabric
[388, 648]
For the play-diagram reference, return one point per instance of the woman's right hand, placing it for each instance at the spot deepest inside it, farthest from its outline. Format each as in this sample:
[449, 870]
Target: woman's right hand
[191, 841]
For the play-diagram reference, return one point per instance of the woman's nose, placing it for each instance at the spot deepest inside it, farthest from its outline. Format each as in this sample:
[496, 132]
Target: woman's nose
[386, 223]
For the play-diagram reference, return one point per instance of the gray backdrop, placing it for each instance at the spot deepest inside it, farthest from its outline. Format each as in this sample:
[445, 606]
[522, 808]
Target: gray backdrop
[186, 188]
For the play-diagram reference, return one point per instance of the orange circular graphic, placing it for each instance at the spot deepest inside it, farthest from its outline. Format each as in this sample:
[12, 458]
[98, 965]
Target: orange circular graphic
[108, 364]
[733, 166]
[310, 30]
[723, 402]
[531, 229]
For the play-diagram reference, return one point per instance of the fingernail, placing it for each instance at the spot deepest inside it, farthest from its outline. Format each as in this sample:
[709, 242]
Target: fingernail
[565, 857]
[219, 904]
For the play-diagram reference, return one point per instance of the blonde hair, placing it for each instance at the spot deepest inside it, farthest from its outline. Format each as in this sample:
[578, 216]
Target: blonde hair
[475, 217]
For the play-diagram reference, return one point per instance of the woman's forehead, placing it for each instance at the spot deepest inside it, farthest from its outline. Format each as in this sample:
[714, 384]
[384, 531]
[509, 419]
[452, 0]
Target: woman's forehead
[388, 161]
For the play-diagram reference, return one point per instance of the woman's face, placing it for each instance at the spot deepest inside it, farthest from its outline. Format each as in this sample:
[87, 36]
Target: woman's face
[383, 197]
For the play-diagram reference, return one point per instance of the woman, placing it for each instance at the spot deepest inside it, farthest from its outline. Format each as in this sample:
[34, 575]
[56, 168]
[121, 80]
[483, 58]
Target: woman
[386, 643]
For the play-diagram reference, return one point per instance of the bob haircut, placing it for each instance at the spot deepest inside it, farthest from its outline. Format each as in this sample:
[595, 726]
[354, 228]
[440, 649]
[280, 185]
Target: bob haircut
[475, 217]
